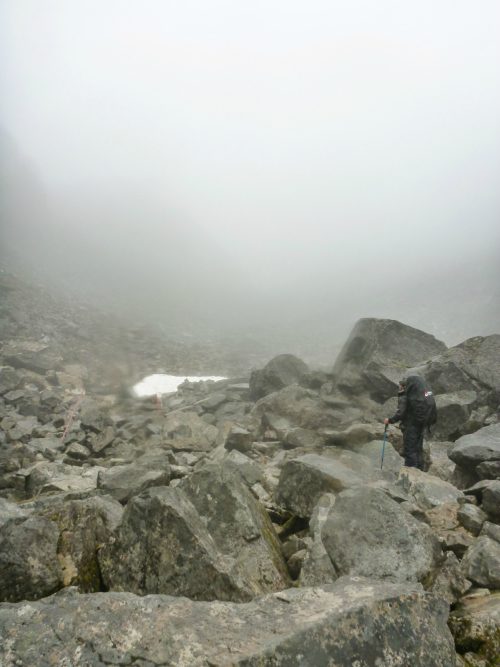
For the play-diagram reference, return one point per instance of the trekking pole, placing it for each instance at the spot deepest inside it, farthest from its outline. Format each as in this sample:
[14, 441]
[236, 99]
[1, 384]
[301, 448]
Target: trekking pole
[383, 447]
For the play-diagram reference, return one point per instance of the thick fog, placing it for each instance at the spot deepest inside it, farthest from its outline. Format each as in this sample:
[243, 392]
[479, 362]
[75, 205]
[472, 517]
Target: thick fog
[278, 168]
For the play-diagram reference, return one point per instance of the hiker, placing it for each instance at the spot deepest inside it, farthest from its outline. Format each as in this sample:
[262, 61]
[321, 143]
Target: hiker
[416, 411]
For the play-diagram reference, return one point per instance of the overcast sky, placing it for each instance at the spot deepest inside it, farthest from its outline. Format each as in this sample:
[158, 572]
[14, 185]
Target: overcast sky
[299, 143]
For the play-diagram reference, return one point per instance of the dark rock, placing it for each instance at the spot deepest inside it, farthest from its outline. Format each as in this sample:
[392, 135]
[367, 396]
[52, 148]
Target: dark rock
[28, 559]
[239, 526]
[163, 546]
[488, 470]
[283, 370]
[76, 452]
[100, 441]
[491, 501]
[238, 438]
[92, 416]
[84, 526]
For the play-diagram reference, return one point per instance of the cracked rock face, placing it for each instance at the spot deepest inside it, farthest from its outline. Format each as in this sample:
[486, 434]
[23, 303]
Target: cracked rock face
[356, 622]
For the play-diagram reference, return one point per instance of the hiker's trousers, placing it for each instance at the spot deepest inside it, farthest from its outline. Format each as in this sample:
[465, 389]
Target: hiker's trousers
[413, 441]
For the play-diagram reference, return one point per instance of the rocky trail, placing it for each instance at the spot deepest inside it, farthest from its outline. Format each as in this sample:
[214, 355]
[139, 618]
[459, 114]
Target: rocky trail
[246, 521]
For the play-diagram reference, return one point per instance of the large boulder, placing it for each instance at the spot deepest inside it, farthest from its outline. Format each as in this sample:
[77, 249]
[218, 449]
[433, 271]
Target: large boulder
[239, 526]
[454, 410]
[163, 546]
[294, 407]
[376, 355]
[305, 479]
[491, 500]
[426, 490]
[479, 357]
[350, 622]
[481, 563]
[85, 524]
[188, 432]
[473, 364]
[367, 533]
[470, 451]
[124, 481]
[29, 566]
[283, 370]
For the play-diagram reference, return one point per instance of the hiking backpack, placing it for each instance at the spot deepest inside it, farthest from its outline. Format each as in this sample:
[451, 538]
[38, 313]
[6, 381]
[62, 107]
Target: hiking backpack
[421, 401]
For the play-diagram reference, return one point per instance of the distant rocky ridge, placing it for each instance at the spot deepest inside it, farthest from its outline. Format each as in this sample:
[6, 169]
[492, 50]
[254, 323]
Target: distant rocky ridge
[246, 521]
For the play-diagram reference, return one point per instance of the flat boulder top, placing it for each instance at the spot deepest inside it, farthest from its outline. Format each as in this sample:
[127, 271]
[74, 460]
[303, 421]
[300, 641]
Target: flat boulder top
[373, 622]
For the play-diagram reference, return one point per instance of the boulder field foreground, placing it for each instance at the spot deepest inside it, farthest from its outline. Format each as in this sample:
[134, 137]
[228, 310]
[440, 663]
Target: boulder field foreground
[246, 521]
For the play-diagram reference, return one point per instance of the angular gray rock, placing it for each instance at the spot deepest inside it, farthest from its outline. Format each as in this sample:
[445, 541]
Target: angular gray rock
[472, 518]
[471, 450]
[454, 410]
[85, 524]
[450, 583]
[29, 566]
[426, 490]
[369, 534]
[296, 407]
[10, 510]
[357, 622]
[491, 501]
[163, 546]
[45, 478]
[376, 355]
[188, 432]
[283, 370]
[239, 526]
[317, 568]
[481, 563]
[124, 481]
[239, 439]
[305, 479]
